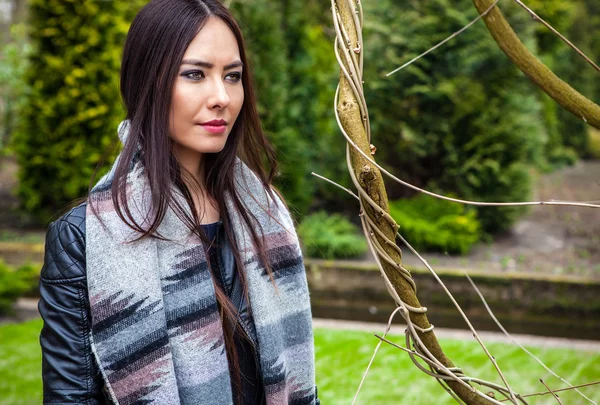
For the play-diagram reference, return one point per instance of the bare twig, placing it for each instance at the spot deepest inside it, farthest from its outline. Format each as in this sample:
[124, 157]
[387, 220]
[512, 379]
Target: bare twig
[565, 95]
[560, 390]
[558, 34]
[447, 374]
[475, 335]
[457, 200]
[479, 17]
[424, 261]
[335, 184]
[491, 313]
[389, 325]
[433, 48]
[520, 397]
[552, 392]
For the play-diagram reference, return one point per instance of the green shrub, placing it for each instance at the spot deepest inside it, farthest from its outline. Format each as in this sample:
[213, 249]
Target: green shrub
[576, 71]
[15, 283]
[594, 148]
[429, 223]
[462, 119]
[330, 237]
[73, 107]
[262, 25]
[12, 84]
[289, 46]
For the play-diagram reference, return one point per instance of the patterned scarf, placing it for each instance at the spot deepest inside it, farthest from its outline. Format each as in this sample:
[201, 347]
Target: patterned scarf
[156, 330]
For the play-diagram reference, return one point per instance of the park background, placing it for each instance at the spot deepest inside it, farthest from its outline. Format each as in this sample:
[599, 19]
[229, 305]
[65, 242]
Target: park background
[462, 121]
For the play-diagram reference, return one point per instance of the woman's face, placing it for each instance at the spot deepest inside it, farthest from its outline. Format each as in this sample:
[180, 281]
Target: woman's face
[208, 94]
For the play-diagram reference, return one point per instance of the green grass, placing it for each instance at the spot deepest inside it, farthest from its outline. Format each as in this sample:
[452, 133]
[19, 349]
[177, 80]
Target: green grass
[20, 364]
[341, 360]
[21, 237]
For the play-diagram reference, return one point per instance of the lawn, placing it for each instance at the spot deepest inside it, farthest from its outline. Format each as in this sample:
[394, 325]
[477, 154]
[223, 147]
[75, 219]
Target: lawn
[20, 364]
[343, 356]
[341, 359]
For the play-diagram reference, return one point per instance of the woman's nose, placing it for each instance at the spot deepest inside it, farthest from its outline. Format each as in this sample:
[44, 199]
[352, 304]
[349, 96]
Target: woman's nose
[219, 98]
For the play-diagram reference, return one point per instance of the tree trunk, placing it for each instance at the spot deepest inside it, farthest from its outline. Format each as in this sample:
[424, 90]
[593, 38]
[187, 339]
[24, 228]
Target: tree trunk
[371, 181]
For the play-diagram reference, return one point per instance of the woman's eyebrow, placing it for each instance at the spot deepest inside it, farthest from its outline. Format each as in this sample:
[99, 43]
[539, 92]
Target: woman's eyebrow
[208, 65]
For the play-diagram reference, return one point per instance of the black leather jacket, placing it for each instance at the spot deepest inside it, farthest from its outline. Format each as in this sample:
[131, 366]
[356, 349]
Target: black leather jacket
[69, 371]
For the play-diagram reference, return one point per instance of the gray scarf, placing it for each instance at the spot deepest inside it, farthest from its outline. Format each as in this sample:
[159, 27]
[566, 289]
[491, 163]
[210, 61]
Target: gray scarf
[156, 330]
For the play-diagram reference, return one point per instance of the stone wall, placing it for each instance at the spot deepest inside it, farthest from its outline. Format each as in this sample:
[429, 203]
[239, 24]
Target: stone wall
[524, 303]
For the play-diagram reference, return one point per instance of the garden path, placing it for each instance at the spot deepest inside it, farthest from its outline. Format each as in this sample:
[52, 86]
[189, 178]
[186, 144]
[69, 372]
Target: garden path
[549, 239]
[461, 334]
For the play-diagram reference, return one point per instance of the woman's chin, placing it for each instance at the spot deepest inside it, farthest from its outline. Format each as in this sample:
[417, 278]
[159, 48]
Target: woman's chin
[216, 148]
[188, 150]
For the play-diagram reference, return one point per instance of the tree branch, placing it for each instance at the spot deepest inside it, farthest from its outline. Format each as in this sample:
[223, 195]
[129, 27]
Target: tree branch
[558, 34]
[354, 121]
[565, 95]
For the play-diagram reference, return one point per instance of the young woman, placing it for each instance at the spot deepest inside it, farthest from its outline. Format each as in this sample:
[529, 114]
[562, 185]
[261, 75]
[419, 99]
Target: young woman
[180, 279]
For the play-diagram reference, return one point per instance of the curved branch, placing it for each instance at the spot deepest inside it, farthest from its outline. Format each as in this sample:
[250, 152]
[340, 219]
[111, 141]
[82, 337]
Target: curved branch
[558, 34]
[565, 95]
[351, 112]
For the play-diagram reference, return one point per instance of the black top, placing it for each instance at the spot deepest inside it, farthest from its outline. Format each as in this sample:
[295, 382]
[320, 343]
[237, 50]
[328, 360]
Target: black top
[253, 392]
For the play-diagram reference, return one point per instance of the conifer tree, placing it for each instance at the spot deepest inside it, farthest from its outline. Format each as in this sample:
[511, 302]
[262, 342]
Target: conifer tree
[73, 105]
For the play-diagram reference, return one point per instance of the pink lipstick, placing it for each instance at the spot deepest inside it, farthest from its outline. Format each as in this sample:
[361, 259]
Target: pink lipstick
[215, 126]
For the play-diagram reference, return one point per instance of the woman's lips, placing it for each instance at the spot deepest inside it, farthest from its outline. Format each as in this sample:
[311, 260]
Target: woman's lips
[214, 129]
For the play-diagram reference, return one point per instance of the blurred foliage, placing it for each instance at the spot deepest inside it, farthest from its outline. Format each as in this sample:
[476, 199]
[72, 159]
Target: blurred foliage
[461, 121]
[572, 19]
[13, 63]
[432, 224]
[594, 148]
[262, 25]
[7, 235]
[331, 237]
[593, 18]
[296, 74]
[559, 13]
[15, 283]
[72, 105]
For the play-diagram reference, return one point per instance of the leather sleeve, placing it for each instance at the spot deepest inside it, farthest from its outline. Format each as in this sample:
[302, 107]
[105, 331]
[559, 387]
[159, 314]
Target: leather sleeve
[69, 371]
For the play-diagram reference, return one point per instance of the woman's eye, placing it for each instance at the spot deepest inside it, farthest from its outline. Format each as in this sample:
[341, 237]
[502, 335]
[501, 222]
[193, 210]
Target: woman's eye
[235, 77]
[194, 75]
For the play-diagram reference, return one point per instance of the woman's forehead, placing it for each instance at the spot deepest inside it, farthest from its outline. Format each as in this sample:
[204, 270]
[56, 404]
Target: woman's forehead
[215, 44]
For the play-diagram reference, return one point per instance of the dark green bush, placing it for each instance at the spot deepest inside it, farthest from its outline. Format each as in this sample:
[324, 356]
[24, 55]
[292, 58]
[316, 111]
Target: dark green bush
[579, 74]
[330, 237]
[73, 105]
[463, 119]
[296, 74]
[431, 224]
[15, 283]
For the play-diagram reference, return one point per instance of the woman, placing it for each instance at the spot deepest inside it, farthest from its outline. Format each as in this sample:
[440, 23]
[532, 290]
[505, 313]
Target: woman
[180, 280]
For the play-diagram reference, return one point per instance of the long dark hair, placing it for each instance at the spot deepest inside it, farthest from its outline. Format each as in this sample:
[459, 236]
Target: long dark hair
[157, 40]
